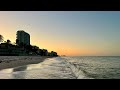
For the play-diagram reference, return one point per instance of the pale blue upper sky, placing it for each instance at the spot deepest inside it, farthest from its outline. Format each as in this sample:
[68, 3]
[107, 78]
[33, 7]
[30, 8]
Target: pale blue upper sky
[97, 32]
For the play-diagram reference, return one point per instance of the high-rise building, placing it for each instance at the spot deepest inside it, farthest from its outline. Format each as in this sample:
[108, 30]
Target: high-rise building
[23, 37]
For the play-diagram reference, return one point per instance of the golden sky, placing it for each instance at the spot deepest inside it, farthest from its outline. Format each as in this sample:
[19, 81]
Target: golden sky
[67, 33]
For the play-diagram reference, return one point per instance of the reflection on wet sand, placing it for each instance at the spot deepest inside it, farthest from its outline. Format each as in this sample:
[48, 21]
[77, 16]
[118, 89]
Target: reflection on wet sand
[19, 76]
[49, 69]
[21, 68]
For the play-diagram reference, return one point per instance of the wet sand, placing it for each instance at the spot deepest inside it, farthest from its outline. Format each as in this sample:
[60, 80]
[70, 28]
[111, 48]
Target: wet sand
[14, 61]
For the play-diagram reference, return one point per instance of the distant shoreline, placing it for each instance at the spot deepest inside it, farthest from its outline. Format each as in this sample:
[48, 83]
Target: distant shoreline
[15, 61]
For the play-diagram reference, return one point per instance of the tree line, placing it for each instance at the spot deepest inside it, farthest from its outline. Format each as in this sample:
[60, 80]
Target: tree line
[30, 49]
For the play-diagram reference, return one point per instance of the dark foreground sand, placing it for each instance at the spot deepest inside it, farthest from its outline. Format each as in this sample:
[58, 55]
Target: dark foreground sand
[14, 61]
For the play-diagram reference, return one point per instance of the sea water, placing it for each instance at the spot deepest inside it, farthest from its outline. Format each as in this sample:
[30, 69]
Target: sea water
[80, 67]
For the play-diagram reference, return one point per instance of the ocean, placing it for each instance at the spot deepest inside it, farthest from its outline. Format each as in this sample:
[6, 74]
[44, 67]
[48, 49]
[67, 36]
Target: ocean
[79, 67]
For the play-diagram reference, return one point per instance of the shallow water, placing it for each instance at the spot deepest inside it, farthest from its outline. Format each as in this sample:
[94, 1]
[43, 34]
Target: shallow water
[97, 67]
[52, 68]
[67, 68]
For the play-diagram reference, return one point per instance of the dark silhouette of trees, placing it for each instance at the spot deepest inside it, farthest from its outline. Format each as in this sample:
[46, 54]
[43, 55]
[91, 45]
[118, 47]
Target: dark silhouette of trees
[8, 41]
[35, 49]
[40, 52]
[53, 53]
[45, 52]
[28, 49]
[1, 38]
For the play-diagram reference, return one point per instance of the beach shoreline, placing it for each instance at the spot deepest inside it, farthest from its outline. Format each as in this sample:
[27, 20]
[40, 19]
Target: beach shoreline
[15, 61]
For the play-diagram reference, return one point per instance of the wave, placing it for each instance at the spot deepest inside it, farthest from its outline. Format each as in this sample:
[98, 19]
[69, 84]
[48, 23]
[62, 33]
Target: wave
[78, 72]
[51, 68]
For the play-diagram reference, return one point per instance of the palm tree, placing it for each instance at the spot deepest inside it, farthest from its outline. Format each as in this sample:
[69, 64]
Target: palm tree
[1, 38]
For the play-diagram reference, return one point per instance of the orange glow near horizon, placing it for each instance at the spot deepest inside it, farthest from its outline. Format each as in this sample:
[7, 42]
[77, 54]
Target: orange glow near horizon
[63, 48]
[67, 33]
[60, 48]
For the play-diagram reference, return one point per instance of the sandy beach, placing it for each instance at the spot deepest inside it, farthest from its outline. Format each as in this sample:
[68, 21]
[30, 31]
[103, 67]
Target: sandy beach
[14, 61]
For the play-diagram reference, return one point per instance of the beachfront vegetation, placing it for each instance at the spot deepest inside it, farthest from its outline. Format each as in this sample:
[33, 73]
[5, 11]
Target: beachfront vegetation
[7, 48]
[1, 38]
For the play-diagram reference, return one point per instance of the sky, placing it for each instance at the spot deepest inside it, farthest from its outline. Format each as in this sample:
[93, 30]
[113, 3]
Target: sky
[71, 33]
